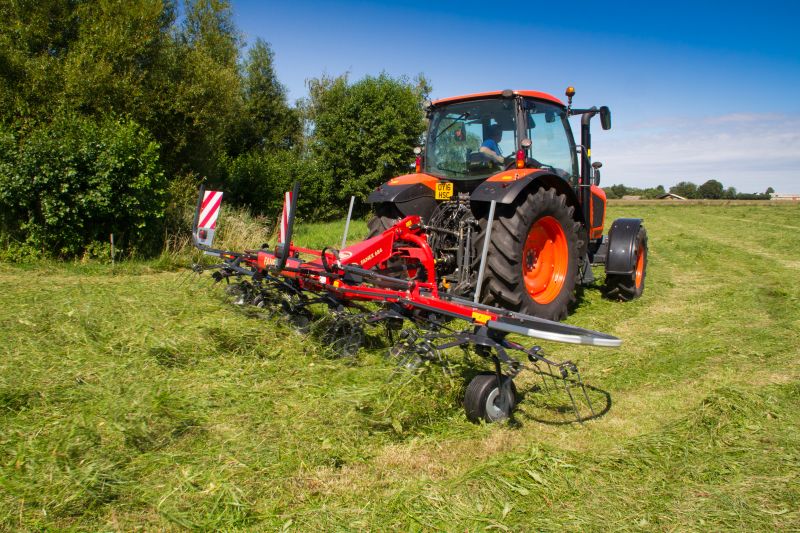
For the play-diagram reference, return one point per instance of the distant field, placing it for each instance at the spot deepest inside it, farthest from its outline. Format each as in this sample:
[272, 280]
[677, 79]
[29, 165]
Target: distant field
[131, 401]
[715, 203]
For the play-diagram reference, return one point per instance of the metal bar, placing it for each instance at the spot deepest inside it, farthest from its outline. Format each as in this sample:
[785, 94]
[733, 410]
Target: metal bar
[564, 333]
[347, 224]
[485, 251]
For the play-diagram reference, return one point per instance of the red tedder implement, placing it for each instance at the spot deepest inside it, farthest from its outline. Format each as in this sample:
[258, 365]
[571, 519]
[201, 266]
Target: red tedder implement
[396, 272]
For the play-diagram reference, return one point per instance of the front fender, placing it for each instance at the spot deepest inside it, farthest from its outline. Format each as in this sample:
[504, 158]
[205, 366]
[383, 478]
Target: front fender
[412, 194]
[505, 187]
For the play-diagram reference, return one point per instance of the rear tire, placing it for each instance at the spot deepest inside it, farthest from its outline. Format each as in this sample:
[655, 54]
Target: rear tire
[532, 262]
[386, 215]
[483, 401]
[627, 287]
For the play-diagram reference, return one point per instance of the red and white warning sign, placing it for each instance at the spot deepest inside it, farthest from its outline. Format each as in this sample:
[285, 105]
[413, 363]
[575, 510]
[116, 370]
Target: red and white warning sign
[284, 224]
[207, 220]
[209, 209]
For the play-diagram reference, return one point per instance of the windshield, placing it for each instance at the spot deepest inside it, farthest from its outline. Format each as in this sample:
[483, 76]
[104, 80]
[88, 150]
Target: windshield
[471, 140]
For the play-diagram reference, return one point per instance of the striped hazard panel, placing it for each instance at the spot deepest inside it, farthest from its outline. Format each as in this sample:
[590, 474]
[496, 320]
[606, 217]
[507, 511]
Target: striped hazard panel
[209, 209]
[207, 221]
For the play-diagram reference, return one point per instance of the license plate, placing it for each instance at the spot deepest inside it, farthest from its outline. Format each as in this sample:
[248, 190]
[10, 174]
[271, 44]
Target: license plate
[444, 191]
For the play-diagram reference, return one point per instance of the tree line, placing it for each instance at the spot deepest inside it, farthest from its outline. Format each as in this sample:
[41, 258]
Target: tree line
[112, 113]
[709, 190]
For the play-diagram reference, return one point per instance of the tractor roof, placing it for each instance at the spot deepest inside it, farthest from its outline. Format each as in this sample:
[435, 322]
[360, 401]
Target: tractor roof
[491, 94]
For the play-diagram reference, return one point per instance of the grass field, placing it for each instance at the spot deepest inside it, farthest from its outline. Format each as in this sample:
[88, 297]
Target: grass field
[128, 401]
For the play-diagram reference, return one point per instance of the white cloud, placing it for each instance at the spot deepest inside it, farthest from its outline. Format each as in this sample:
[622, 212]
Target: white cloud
[745, 150]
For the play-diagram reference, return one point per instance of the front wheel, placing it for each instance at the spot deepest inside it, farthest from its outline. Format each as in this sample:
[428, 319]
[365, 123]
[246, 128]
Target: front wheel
[488, 400]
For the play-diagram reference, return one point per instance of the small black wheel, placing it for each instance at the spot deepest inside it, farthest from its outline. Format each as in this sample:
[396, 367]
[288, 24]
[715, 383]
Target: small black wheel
[631, 286]
[484, 398]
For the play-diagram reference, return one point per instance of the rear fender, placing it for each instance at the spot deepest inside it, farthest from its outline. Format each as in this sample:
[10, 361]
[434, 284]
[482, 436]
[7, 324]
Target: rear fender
[504, 188]
[621, 258]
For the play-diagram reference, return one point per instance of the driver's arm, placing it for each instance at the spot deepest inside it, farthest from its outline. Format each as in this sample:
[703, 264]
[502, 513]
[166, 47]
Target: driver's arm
[492, 155]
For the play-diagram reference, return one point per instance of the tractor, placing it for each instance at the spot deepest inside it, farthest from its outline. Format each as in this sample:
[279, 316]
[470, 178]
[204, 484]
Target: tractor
[514, 218]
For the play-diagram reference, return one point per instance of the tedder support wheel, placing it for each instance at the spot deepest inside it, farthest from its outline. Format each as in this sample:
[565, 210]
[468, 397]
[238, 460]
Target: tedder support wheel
[627, 287]
[532, 262]
[484, 400]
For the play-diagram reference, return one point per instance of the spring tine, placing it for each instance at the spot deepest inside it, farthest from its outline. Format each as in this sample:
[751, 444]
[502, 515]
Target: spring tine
[184, 278]
[541, 375]
[200, 284]
[585, 394]
[552, 375]
[572, 399]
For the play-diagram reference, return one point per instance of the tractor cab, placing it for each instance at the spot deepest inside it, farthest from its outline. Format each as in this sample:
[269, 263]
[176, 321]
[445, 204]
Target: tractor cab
[474, 138]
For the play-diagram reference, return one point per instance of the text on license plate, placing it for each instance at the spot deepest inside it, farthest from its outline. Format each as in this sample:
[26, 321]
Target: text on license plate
[444, 191]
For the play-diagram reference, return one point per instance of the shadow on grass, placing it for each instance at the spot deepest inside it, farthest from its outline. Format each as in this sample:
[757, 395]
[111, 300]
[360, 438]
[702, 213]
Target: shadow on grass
[560, 406]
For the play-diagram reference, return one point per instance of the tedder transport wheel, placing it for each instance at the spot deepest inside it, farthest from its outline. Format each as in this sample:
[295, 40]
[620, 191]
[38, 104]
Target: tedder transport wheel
[631, 286]
[483, 400]
[532, 262]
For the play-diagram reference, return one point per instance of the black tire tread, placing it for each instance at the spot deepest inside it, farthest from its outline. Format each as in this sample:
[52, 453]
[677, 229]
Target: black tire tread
[477, 393]
[622, 286]
[385, 217]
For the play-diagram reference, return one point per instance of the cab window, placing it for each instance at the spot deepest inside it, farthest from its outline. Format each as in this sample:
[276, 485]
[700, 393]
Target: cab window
[550, 135]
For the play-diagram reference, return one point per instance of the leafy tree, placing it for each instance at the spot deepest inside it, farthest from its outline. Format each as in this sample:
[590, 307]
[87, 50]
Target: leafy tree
[770, 190]
[711, 189]
[654, 192]
[686, 189]
[99, 101]
[730, 193]
[270, 122]
[34, 40]
[364, 133]
[616, 191]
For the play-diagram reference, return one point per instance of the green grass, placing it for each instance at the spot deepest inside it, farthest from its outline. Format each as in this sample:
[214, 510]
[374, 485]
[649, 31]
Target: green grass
[132, 398]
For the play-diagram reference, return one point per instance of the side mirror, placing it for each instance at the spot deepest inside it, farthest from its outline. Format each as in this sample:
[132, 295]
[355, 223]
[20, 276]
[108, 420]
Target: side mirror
[605, 118]
[596, 174]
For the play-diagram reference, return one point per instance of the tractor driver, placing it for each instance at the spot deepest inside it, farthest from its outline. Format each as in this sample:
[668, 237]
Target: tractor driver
[490, 147]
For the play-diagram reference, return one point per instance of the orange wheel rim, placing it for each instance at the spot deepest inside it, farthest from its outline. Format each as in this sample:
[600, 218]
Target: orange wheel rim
[640, 267]
[545, 260]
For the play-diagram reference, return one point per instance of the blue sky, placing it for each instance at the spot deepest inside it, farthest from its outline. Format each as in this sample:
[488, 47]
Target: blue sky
[697, 90]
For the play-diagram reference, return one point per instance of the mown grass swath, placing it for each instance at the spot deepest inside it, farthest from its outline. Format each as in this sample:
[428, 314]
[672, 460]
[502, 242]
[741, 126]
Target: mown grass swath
[129, 400]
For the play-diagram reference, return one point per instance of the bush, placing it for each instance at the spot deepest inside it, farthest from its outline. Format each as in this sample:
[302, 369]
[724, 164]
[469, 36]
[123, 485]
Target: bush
[68, 184]
[257, 180]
